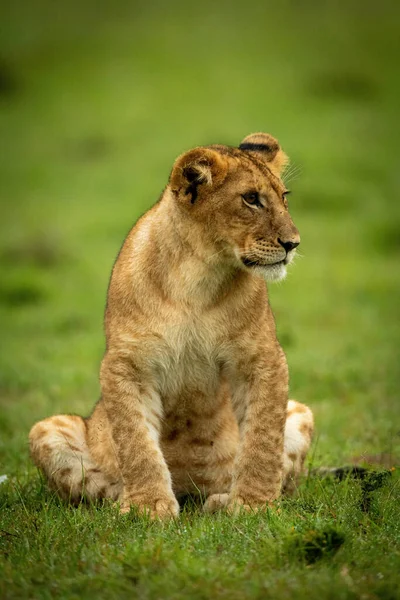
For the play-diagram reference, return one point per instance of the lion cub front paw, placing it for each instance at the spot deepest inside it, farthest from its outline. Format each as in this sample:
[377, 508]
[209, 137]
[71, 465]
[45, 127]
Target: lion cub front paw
[161, 508]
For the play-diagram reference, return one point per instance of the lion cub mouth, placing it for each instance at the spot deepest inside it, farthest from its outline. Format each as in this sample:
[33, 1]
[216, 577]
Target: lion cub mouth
[249, 262]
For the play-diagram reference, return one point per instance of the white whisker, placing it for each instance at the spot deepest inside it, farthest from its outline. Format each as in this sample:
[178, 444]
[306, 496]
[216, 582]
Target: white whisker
[291, 173]
[216, 253]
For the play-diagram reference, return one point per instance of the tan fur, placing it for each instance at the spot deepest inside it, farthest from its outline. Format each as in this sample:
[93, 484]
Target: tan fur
[194, 382]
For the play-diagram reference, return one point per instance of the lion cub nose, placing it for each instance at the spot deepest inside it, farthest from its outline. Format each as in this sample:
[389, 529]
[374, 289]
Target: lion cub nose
[288, 245]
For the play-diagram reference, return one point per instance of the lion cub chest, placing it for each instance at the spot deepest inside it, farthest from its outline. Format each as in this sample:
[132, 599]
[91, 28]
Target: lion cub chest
[189, 361]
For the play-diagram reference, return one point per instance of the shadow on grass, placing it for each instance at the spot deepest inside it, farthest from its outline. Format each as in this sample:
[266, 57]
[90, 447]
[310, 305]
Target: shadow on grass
[312, 545]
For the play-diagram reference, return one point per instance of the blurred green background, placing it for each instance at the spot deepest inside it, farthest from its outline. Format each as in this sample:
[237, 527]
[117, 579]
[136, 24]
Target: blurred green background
[96, 101]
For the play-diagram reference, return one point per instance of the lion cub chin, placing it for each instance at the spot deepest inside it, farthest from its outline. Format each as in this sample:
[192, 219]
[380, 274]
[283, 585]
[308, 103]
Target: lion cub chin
[194, 382]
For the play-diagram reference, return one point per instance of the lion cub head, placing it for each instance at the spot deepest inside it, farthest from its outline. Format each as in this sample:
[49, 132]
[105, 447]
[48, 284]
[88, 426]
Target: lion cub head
[236, 197]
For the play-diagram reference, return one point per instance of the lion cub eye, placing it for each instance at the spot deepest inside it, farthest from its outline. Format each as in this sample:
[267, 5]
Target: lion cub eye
[252, 199]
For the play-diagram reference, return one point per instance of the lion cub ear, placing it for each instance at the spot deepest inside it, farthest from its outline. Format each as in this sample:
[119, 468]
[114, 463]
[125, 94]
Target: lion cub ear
[196, 171]
[267, 149]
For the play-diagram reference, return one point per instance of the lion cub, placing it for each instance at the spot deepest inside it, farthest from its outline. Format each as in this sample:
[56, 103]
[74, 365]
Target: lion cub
[194, 382]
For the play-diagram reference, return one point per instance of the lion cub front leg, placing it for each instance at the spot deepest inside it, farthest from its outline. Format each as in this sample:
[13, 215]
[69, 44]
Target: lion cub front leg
[134, 413]
[260, 406]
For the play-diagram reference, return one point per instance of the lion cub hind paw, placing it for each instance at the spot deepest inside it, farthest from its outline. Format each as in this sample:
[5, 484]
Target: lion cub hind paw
[238, 504]
[162, 509]
[215, 502]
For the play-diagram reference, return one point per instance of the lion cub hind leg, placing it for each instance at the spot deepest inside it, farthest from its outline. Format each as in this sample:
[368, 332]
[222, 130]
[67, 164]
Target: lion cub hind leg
[298, 435]
[59, 448]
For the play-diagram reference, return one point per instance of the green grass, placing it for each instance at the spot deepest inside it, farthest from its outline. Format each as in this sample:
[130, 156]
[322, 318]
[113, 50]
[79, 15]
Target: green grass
[96, 101]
